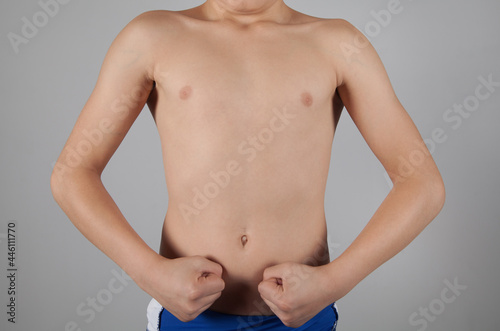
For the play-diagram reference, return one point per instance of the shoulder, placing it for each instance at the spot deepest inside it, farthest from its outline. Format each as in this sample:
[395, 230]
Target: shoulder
[156, 25]
[135, 47]
[147, 30]
[339, 30]
[153, 22]
[334, 35]
[346, 46]
[157, 16]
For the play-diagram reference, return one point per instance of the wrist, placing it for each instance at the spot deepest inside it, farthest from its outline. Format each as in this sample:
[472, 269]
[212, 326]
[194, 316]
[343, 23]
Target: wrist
[340, 279]
[143, 271]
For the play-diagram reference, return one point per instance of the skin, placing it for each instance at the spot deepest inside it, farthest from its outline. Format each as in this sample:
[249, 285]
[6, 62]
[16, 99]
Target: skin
[246, 96]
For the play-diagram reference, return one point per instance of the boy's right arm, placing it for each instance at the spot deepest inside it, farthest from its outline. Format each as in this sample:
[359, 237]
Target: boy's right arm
[185, 286]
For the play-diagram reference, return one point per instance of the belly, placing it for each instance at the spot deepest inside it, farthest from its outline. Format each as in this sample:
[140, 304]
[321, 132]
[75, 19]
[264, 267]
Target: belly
[244, 245]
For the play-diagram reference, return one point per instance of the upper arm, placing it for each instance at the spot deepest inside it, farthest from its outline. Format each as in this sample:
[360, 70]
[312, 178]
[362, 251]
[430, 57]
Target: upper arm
[368, 96]
[121, 91]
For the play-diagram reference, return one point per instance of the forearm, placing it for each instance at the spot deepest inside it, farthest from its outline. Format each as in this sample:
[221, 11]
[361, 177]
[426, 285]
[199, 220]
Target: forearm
[88, 205]
[408, 208]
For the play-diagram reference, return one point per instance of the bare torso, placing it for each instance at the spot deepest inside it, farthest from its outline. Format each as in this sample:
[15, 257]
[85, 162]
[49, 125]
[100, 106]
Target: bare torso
[246, 117]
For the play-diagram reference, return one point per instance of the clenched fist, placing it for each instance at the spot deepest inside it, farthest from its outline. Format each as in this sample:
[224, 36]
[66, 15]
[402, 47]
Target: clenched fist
[296, 292]
[185, 286]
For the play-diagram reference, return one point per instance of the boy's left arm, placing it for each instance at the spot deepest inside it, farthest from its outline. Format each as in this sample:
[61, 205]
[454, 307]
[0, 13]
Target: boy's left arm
[296, 292]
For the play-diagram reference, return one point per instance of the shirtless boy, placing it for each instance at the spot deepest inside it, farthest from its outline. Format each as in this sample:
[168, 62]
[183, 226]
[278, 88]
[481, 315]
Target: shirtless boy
[246, 96]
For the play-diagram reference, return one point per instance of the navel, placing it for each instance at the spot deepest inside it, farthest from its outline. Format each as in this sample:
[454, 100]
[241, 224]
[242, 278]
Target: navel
[244, 240]
[307, 99]
[185, 92]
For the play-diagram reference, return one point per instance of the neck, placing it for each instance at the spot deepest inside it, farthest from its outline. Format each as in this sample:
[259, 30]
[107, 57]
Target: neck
[247, 11]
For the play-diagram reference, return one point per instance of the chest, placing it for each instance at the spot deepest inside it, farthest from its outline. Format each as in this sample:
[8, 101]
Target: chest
[270, 67]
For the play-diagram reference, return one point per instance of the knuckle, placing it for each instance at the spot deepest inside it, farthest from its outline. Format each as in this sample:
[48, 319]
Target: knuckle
[193, 294]
[288, 270]
[186, 318]
[260, 287]
[200, 260]
[218, 267]
[190, 310]
[285, 306]
[287, 320]
[195, 260]
[278, 297]
[218, 295]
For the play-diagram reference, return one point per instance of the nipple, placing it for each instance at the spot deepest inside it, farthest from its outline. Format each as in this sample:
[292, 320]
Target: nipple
[307, 99]
[185, 92]
[244, 240]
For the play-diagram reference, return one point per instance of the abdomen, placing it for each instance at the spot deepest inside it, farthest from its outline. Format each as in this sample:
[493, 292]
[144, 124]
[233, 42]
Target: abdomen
[270, 240]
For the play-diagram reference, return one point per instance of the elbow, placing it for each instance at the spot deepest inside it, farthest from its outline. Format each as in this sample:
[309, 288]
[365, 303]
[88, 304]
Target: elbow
[66, 181]
[440, 199]
[61, 179]
[57, 184]
[435, 192]
[428, 192]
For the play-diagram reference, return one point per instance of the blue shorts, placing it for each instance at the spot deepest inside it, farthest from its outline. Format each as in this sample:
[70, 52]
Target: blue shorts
[160, 319]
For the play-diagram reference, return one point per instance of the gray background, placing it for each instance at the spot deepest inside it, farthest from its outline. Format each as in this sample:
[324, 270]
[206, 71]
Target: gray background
[434, 52]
